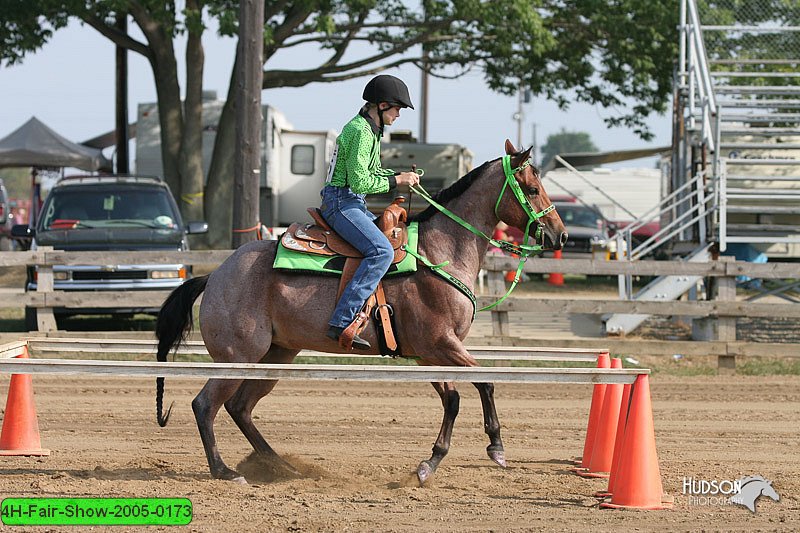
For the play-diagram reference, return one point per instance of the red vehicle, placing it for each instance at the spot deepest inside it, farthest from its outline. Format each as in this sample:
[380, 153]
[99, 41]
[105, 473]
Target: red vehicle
[6, 220]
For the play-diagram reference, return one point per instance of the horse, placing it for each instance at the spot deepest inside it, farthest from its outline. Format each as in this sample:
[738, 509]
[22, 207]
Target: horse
[752, 488]
[252, 313]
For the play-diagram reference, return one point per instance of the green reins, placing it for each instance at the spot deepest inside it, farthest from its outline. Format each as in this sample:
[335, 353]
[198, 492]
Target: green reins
[522, 250]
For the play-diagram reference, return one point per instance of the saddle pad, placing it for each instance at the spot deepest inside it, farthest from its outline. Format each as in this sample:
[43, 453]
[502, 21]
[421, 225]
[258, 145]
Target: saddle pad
[292, 260]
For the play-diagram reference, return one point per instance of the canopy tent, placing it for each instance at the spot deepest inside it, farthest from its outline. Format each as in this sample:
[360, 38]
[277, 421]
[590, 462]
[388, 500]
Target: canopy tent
[580, 159]
[35, 145]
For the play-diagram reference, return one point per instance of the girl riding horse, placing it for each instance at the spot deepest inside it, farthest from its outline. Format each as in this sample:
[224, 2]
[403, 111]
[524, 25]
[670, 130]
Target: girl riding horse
[252, 313]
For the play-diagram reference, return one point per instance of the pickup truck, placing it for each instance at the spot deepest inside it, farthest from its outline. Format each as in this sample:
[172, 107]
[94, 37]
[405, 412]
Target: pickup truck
[109, 213]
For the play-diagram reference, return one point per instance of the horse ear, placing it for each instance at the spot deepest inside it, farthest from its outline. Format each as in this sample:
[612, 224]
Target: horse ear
[523, 157]
[510, 150]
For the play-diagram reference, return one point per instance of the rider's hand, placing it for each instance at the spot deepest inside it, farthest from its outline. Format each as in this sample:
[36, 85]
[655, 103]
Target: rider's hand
[407, 178]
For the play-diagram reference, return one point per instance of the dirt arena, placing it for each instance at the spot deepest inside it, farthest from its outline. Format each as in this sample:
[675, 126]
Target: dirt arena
[358, 446]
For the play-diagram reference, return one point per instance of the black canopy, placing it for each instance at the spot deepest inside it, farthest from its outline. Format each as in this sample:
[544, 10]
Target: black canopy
[35, 145]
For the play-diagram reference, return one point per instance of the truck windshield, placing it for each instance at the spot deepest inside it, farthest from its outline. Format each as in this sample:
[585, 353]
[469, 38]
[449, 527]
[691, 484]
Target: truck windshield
[579, 216]
[84, 208]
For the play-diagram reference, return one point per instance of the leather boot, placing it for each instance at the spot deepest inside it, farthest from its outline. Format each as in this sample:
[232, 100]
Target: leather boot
[358, 343]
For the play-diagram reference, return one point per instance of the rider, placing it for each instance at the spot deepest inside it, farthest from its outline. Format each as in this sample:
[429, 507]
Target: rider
[355, 171]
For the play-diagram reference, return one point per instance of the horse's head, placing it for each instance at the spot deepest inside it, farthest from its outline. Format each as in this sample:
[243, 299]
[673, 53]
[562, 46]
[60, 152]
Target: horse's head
[540, 212]
[752, 487]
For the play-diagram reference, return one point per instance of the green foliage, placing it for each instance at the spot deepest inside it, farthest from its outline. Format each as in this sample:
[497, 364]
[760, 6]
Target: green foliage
[17, 182]
[759, 36]
[565, 142]
[615, 53]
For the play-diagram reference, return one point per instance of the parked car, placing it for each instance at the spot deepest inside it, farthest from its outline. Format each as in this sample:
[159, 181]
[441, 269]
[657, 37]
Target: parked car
[109, 213]
[588, 230]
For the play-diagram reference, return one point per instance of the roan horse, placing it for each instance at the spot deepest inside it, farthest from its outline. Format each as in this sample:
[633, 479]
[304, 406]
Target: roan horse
[251, 313]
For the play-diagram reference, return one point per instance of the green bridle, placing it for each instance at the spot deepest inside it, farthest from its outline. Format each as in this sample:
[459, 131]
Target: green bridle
[523, 250]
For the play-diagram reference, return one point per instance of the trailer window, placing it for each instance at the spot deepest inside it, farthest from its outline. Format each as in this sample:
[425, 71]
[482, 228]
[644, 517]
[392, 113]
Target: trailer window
[303, 159]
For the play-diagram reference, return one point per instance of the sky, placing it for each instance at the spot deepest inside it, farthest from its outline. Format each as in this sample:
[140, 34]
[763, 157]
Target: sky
[69, 85]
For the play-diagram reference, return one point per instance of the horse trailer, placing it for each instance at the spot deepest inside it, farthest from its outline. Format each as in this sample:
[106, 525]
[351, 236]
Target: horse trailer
[294, 162]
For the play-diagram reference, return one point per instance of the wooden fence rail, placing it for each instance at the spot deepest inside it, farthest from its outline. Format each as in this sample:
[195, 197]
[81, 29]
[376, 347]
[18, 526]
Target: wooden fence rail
[588, 267]
[722, 311]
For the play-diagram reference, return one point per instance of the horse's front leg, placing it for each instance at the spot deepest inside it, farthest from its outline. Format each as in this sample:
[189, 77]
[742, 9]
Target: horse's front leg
[491, 424]
[450, 402]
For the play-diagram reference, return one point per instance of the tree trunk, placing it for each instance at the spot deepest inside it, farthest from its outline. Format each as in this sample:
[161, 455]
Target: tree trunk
[170, 114]
[247, 159]
[191, 158]
[219, 189]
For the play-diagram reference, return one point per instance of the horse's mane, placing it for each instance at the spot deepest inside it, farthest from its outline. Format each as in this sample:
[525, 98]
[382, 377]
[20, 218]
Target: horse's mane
[453, 191]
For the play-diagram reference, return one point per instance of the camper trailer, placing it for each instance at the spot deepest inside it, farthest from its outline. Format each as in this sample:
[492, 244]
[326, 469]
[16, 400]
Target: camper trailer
[294, 162]
[443, 164]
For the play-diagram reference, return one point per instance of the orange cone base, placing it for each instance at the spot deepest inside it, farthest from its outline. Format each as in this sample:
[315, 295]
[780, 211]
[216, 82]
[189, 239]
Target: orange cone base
[667, 502]
[577, 461]
[602, 494]
[38, 453]
[593, 474]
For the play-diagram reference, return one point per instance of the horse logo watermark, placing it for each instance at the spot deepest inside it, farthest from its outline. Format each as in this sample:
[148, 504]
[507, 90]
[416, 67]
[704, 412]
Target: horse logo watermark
[744, 491]
[751, 488]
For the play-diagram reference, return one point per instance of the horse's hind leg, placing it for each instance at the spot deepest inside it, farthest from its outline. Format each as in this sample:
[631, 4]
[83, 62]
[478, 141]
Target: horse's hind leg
[206, 406]
[450, 402]
[240, 406]
[491, 424]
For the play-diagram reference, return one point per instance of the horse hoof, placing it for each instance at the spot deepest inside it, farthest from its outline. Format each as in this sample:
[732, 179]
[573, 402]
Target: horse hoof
[424, 472]
[498, 456]
[230, 475]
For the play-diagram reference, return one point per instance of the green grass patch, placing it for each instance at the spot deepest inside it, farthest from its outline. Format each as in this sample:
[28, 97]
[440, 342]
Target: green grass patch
[761, 366]
[685, 370]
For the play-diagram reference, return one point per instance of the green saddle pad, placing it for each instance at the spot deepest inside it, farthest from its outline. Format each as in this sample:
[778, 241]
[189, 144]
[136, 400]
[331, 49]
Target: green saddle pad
[292, 260]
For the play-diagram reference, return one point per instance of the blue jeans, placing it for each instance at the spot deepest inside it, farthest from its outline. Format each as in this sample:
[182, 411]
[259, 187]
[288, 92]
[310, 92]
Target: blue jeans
[347, 214]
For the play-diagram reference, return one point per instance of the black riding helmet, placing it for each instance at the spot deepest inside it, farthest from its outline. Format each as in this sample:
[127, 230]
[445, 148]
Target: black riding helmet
[389, 89]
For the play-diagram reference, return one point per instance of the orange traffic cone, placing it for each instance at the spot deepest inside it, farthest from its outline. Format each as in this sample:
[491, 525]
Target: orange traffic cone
[603, 448]
[638, 482]
[556, 278]
[618, 440]
[20, 433]
[594, 415]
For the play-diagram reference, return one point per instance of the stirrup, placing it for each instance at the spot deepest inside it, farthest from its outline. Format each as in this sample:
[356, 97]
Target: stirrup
[334, 332]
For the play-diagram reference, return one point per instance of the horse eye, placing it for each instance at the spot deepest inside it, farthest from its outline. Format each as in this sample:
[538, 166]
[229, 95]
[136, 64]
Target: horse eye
[533, 191]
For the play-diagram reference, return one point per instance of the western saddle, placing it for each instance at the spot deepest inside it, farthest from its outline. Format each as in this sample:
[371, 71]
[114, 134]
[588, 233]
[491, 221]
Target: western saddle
[319, 238]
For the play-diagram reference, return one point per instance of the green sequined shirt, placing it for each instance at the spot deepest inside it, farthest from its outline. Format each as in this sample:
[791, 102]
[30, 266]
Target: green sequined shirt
[356, 161]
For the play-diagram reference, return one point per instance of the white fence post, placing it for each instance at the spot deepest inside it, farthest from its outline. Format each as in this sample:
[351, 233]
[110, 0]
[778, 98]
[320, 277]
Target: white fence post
[45, 319]
[497, 288]
[726, 325]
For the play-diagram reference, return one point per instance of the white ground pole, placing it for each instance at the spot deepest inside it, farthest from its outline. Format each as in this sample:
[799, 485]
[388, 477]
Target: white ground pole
[41, 345]
[9, 364]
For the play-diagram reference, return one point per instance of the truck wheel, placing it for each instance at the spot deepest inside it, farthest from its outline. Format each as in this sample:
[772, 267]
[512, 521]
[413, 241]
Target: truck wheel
[30, 319]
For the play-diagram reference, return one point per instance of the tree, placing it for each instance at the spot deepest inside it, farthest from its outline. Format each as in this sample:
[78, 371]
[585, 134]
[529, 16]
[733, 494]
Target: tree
[565, 142]
[615, 53]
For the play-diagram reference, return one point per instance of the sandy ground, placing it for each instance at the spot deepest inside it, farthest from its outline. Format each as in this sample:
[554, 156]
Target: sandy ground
[358, 446]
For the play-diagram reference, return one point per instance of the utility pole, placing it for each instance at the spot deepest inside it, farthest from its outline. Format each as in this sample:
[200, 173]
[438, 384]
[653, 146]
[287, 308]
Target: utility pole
[121, 103]
[247, 162]
[423, 107]
[423, 93]
[520, 117]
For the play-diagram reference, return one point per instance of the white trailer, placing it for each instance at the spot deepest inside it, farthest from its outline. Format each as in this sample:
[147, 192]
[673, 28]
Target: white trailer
[293, 162]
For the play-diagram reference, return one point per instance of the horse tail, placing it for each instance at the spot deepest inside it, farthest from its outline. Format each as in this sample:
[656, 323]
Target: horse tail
[173, 325]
